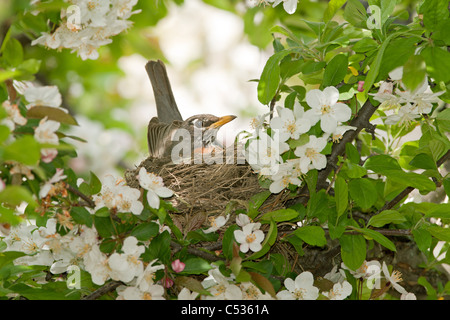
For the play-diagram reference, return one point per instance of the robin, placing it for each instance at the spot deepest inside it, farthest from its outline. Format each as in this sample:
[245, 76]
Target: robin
[162, 129]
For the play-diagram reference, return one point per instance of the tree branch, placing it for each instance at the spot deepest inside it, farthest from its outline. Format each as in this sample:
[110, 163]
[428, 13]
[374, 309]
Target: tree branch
[110, 286]
[77, 192]
[361, 121]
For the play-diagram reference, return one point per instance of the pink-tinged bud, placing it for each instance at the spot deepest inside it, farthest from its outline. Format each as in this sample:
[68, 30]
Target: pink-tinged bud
[178, 266]
[167, 283]
[360, 86]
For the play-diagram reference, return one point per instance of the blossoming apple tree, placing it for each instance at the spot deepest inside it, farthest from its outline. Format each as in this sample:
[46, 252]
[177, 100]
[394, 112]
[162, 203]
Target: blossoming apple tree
[357, 120]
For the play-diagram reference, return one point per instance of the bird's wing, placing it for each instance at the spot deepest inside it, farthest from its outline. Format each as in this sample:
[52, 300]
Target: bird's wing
[159, 137]
[166, 106]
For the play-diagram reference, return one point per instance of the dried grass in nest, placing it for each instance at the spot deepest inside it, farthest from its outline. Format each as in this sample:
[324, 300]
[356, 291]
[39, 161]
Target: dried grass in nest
[207, 187]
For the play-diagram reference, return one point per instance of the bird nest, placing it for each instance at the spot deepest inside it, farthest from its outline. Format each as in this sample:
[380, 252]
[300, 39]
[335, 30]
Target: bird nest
[209, 188]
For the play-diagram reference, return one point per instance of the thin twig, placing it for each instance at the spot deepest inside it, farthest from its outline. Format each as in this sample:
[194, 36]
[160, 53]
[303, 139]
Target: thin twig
[77, 192]
[110, 286]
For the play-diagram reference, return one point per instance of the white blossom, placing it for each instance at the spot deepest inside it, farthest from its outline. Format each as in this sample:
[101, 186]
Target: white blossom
[340, 291]
[250, 237]
[216, 223]
[47, 96]
[310, 156]
[116, 195]
[264, 153]
[326, 108]
[289, 5]
[301, 288]
[154, 292]
[154, 186]
[127, 265]
[290, 123]
[393, 278]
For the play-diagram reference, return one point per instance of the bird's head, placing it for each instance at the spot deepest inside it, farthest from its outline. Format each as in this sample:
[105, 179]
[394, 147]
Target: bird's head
[209, 124]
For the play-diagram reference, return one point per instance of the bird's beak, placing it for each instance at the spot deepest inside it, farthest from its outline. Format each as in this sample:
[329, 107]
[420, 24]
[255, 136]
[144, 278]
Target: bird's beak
[222, 120]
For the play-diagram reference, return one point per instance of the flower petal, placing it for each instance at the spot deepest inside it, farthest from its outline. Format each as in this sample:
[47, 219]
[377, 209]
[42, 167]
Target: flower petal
[153, 199]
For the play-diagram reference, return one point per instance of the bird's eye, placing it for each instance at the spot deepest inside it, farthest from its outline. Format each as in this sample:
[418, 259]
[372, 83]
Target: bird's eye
[198, 123]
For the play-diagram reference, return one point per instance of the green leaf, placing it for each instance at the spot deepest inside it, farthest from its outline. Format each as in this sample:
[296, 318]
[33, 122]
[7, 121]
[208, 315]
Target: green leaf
[311, 180]
[376, 64]
[256, 202]
[318, 206]
[335, 70]
[352, 153]
[438, 62]
[443, 32]
[439, 211]
[270, 77]
[443, 120]
[411, 179]
[378, 237]
[145, 231]
[24, 149]
[312, 235]
[228, 240]
[333, 7]
[414, 72]
[431, 292]
[341, 195]
[9, 216]
[365, 45]
[280, 215]
[381, 163]
[196, 266]
[353, 250]
[104, 226]
[386, 217]
[14, 195]
[55, 114]
[396, 54]
[159, 248]
[439, 232]
[434, 11]
[81, 216]
[423, 161]
[13, 52]
[363, 192]
[446, 184]
[422, 238]
[355, 14]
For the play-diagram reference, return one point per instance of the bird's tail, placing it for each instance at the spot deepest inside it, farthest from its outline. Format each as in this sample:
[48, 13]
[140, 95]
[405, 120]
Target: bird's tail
[166, 106]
